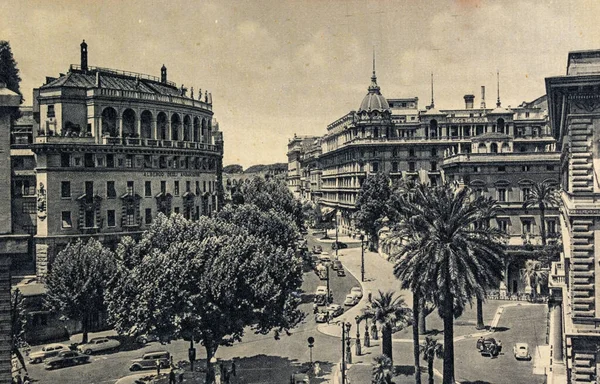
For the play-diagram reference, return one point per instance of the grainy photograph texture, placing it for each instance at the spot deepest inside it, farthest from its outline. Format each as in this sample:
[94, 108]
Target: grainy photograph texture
[299, 191]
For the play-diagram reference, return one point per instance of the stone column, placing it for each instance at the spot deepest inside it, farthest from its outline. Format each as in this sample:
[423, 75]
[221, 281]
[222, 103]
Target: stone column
[154, 128]
[120, 125]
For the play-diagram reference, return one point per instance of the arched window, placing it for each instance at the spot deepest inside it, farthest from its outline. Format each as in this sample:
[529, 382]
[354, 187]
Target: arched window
[161, 122]
[204, 130]
[146, 122]
[187, 128]
[175, 126]
[109, 122]
[500, 125]
[505, 148]
[196, 129]
[129, 123]
[482, 148]
[494, 148]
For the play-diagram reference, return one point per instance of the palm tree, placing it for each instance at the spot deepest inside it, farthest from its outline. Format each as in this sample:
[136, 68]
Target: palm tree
[542, 195]
[534, 276]
[444, 250]
[382, 367]
[430, 350]
[388, 310]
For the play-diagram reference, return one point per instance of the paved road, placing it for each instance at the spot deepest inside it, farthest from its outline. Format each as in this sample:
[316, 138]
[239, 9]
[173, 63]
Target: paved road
[260, 358]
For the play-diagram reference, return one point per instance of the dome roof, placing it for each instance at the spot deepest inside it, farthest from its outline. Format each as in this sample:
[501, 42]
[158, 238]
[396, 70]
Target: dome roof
[374, 100]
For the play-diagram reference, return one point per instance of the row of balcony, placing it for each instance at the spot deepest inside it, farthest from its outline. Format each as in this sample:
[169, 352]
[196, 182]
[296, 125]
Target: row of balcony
[119, 93]
[129, 141]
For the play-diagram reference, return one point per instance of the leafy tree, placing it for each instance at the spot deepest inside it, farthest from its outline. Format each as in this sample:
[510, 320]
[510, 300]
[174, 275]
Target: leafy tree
[372, 205]
[237, 198]
[444, 249]
[18, 321]
[389, 311]
[233, 168]
[382, 368]
[430, 350]
[207, 281]
[77, 281]
[542, 195]
[273, 226]
[534, 276]
[9, 73]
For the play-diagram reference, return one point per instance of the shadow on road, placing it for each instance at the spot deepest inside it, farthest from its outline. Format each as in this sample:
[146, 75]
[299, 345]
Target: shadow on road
[404, 370]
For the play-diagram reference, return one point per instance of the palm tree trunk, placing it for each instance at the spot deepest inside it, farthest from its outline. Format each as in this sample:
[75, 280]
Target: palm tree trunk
[543, 223]
[430, 369]
[422, 317]
[480, 324]
[416, 317]
[386, 341]
[449, 343]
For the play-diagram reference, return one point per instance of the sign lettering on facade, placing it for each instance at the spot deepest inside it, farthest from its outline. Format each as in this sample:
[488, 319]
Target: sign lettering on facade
[173, 174]
[468, 120]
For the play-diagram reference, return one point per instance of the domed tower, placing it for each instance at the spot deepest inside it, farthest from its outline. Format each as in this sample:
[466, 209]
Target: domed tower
[374, 113]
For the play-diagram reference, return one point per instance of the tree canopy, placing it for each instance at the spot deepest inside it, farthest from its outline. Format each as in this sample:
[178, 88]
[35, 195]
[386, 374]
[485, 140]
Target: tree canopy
[9, 73]
[372, 204]
[77, 281]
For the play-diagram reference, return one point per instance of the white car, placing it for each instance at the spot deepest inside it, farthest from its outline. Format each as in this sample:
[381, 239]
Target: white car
[521, 351]
[324, 257]
[334, 310]
[50, 350]
[351, 300]
[321, 290]
[357, 292]
[98, 344]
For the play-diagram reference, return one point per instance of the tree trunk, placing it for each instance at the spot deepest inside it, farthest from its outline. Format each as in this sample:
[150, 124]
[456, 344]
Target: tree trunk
[386, 342]
[430, 369]
[543, 223]
[422, 317]
[449, 344]
[84, 328]
[416, 318]
[210, 369]
[480, 324]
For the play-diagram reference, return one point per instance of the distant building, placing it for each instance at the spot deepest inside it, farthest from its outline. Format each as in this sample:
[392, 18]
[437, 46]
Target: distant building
[499, 152]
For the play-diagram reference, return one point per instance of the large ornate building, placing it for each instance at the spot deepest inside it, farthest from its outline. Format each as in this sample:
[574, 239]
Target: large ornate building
[106, 152]
[497, 151]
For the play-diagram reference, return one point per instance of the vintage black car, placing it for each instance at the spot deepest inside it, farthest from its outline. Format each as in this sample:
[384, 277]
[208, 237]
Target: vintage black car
[65, 359]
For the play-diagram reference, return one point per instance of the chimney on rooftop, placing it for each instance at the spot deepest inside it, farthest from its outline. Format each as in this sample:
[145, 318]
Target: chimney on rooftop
[483, 97]
[84, 61]
[469, 101]
[163, 74]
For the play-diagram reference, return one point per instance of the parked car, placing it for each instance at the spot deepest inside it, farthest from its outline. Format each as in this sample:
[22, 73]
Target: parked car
[321, 299]
[65, 359]
[338, 245]
[357, 292]
[340, 272]
[336, 265]
[487, 346]
[317, 249]
[146, 338]
[324, 257]
[321, 317]
[351, 300]
[299, 378]
[321, 289]
[148, 361]
[521, 351]
[98, 344]
[334, 310]
[46, 352]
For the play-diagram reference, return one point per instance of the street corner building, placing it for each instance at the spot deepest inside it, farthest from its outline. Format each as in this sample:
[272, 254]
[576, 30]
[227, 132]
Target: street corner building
[497, 151]
[103, 151]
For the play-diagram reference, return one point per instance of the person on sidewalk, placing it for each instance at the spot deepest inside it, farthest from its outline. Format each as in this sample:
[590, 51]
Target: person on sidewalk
[172, 377]
[233, 368]
[157, 367]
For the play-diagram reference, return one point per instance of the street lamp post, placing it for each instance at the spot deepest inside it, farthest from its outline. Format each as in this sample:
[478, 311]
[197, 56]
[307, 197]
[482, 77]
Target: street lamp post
[348, 339]
[362, 258]
[311, 344]
[329, 298]
[367, 340]
[343, 353]
[336, 236]
[358, 351]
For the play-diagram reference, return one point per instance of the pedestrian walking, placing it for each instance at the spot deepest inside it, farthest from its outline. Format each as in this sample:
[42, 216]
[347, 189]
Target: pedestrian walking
[315, 308]
[499, 346]
[317, 368]
[172, 377]
[181, 377]
[157, 367]
[370, 296]
[233, 368]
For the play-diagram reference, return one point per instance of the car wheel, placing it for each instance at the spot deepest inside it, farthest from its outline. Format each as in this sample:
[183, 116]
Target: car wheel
[135, 368]
[88, 351]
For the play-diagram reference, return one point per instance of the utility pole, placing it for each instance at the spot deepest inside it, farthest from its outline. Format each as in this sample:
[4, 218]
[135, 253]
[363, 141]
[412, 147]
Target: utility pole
[362, 258]
[343, 352]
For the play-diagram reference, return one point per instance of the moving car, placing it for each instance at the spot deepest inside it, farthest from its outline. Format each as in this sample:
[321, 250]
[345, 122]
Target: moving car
[324, 257]
[357, 292]
[98, 344]
[148, 361]
[336, 265]
[321, 317]
[334, 310]
[351, 300]
[65, 359]
[146, 338]
[340, 272]
[338, 245]
[521, 351]
[488, 346]
[48, 351]
[321, 289]
[317, 249]
[321, 299]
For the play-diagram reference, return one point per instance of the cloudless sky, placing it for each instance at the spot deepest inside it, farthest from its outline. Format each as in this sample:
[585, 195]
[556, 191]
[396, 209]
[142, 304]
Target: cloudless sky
[276, 68]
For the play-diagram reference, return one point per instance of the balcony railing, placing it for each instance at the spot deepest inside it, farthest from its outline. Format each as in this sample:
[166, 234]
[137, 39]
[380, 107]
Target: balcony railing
[128, 141]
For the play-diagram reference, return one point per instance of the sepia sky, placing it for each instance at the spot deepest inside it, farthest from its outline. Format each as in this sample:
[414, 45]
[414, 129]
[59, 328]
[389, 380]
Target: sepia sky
[276, 68]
